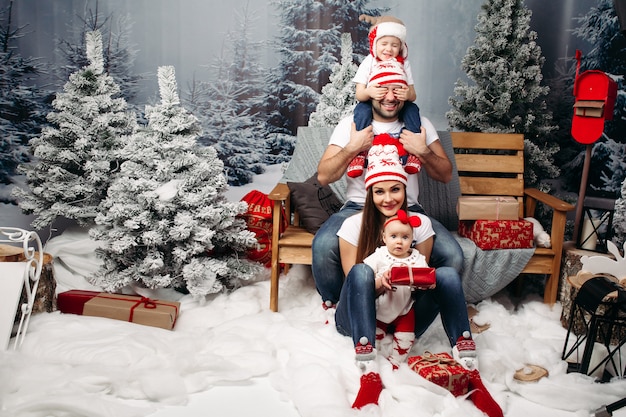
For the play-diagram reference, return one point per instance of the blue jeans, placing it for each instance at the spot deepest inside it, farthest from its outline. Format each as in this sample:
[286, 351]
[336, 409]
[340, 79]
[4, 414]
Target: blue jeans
[328, 272]
[326, 266]
[356, 311]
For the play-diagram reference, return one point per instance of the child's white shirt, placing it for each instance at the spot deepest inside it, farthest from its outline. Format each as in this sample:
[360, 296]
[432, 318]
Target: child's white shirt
[392, 304]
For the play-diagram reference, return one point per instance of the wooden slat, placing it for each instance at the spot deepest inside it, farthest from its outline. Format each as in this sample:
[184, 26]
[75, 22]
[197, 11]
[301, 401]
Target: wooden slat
[491, 186]
[489, 163]
[480, 140]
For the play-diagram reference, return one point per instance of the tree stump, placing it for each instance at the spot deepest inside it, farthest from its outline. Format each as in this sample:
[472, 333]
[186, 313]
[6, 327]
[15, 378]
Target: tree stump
[45, 299]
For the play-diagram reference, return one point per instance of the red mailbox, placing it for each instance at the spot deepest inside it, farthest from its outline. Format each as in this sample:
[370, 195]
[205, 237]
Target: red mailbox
[595, 94]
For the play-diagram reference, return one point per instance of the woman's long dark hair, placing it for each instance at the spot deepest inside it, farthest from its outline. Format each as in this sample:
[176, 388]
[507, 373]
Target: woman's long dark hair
[370, 236]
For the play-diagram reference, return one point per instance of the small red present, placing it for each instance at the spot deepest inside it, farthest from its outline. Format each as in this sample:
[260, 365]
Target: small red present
[498, 234]
[130, 308]
[413, 276]
[441, 369]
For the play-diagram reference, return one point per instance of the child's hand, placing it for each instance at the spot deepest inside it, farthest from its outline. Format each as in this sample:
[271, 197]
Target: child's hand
[376, 92]
[386, 276]
[401, 93]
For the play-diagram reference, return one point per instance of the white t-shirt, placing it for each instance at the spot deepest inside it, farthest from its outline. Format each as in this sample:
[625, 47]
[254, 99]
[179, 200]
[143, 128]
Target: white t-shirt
[351, 228]
[363, 72]
[355, 190]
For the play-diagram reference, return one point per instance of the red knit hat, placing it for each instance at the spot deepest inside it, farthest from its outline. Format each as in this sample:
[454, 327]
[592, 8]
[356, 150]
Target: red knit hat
[386, 26]
[387, 72]
[383, 164]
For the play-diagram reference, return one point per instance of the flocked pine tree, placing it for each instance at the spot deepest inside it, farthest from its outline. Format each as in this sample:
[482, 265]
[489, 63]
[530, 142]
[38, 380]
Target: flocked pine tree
[22, 101]
[338, 96]
[231, 105]
[506, 94]
[75, 157]
[308, 43]
[166, 221]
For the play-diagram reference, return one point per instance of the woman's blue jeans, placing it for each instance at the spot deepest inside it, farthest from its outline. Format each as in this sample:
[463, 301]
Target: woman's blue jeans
[328, 272]
[356, 311]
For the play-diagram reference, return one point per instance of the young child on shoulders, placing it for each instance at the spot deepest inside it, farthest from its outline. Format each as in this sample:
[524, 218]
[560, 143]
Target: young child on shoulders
[388, 51]
[394, 305]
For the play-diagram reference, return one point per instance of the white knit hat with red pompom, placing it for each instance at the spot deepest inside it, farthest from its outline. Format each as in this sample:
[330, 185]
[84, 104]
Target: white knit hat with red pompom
[383, 164]
[387, 72]
[386, 26]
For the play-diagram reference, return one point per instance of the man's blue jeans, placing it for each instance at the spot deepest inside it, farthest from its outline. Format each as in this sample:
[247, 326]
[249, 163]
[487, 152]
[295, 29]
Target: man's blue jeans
[328, 272]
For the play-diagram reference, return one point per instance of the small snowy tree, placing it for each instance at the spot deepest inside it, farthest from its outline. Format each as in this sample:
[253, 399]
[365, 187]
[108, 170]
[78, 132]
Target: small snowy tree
[166, 221]
[338, 96]
[75, 157]
[505, 65]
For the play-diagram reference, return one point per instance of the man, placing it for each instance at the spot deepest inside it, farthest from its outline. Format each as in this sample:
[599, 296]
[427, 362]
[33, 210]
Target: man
[345, 143]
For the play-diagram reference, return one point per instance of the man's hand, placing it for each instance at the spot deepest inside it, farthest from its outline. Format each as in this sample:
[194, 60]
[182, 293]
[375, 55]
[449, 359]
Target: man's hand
[360, 140]
[414, 143]
[336, 159]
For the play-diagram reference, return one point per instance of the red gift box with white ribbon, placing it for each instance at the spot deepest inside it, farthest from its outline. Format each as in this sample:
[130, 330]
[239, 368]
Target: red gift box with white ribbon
[135, 309]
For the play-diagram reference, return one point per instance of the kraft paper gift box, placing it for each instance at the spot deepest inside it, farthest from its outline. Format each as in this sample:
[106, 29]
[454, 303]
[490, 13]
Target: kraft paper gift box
[498, 234]
[487, 208]
[441, 369]
[132, 308]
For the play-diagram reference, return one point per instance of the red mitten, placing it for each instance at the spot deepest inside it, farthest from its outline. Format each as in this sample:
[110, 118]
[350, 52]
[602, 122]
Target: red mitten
[481, 397]
[371, 387]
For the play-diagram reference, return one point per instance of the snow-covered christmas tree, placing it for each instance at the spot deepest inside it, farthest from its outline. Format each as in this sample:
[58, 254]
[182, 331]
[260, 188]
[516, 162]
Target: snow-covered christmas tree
[76, 156]
[338, 96]
[166, 222]
[506, 95]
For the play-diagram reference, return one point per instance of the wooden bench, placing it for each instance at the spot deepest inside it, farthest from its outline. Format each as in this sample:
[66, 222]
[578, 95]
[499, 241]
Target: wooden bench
[480, 172]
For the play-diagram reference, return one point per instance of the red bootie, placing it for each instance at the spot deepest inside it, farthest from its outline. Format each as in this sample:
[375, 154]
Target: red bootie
[371, 387]
[356, 166]
[481, 397]
[413, 165]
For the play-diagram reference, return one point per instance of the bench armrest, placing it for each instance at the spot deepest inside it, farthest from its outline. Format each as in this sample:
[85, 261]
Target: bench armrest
[279, 193]
[559, 213]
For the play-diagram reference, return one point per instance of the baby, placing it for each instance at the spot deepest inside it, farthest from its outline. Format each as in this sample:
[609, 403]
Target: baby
[394, 305]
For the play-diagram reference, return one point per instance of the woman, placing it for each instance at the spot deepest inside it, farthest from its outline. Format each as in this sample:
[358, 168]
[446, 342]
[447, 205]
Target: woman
[355, 314]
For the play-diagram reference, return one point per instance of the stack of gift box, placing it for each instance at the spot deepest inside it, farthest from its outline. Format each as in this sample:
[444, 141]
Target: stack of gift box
[493, 222]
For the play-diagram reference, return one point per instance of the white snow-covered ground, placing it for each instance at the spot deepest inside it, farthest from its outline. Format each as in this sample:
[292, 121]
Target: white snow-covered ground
[231, 356]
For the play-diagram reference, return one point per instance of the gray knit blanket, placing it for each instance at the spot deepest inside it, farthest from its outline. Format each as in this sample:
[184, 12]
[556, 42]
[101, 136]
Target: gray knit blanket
[485, 272]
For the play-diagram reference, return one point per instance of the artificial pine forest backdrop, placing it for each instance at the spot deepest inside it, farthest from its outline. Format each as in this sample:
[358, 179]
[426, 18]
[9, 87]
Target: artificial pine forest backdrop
[246, 75]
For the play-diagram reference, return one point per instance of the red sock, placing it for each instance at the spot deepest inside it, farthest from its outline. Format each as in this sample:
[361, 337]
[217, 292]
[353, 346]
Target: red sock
[371, 387]
[481, 397]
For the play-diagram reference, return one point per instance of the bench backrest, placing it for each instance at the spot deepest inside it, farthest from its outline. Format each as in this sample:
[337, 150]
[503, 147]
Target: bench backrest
[490, 164]
[479, 173]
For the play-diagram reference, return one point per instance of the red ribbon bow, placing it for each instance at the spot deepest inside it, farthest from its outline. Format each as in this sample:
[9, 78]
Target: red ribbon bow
[414, 221]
